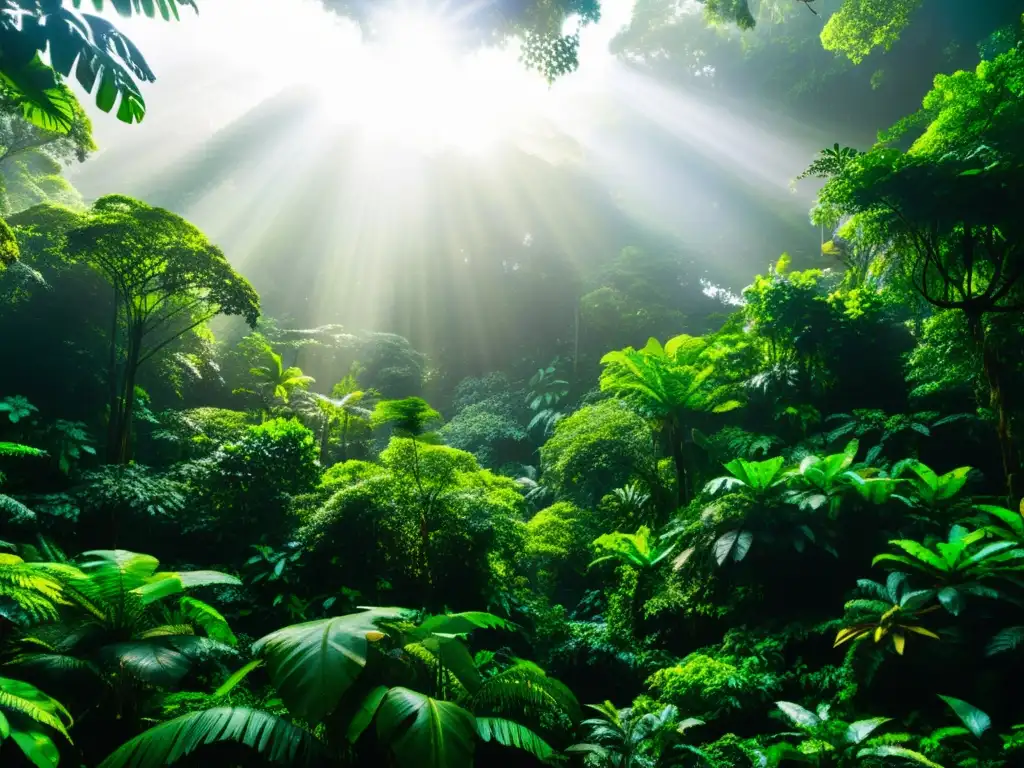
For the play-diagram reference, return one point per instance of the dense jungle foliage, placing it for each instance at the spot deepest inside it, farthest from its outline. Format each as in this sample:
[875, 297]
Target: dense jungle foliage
[651, 525]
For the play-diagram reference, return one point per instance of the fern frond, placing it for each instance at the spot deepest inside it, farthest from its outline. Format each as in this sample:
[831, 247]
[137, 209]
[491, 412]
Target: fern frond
[25, 699]
[168, 630]
[1008, 639]
[15, 511]
[521, 687]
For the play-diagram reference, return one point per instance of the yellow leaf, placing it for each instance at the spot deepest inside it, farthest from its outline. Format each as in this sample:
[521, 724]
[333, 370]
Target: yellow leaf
[923, 631]
[373, 636]
[888, 614]
[850, 633]
[899, 641]
[880, 632]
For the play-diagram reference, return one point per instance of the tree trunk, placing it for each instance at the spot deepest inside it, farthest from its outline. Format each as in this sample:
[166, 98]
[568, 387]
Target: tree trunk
[675, 438]
[999, 394]
[325, 438]
[344, 438]
[113, 400]
[131, 369]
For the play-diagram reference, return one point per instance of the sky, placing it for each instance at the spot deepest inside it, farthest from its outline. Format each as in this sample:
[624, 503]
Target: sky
[289, 140]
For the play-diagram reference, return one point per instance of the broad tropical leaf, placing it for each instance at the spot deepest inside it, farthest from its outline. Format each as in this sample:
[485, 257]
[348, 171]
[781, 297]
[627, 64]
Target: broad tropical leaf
[313, 664]
[464, 623]
[364, 715]
[426, 733]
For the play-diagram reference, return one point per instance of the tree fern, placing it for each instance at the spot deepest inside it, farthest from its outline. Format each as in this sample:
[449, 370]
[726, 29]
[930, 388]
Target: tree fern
[522, 687]
[274, 737]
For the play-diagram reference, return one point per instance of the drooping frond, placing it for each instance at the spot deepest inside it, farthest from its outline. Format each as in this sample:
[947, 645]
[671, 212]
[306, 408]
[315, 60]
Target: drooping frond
[272, 736]
[209, 618]
[14, 510]
[31, 594]
[25, 699]
[511, 734]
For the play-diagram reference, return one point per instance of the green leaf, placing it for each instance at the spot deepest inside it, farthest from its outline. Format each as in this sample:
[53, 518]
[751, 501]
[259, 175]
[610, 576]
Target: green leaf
[512, 734]
[951, 483]
[734, 544]
[209, 618]
[1008, 639]
[801, 717]
[166, 583]
[951, 600]
[922, 554]
[426, 733]
[270, 735]
[364, 715]
[37, 746]
[464, 623]
[313, 664]
[1013, 520]
[160, 661]
[236, 677]
[973, 718]
[455, 657]
[860, 730]
[891, 750]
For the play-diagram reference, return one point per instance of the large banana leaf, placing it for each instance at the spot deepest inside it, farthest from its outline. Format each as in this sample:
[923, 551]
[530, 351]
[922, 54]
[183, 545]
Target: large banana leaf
[165, 583]
[112, 571]
[313, 664]
[426, 733]
[272, 736]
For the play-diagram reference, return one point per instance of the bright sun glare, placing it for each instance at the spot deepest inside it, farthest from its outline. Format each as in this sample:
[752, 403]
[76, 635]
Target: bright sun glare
[412, 86]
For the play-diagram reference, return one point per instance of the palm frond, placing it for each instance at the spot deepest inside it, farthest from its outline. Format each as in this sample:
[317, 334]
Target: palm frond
[270, 735]
[27, 700]
[512, 734]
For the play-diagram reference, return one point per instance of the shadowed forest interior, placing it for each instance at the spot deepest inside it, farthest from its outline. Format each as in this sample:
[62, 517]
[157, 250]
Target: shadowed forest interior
[452, 383]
